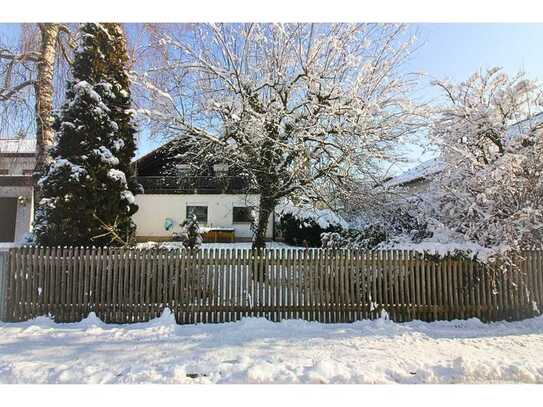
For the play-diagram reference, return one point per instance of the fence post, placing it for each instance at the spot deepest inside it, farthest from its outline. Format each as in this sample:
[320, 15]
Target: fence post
[4, 271]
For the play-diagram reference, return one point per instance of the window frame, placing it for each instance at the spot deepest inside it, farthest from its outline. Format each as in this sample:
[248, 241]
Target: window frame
[249, 208]
[183, 169]
[198, 219]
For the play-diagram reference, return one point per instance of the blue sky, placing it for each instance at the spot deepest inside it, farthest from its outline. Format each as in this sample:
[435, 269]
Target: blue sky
[457, 50]
[452, 51]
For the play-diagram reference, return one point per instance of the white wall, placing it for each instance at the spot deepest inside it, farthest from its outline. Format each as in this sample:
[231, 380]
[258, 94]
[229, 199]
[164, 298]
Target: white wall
[154, 209]
[23, 222]
[16, 165]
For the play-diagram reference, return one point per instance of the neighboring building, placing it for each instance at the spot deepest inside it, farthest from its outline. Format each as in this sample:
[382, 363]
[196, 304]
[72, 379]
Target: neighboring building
[17, 160]
[219, 198]
[417, 179]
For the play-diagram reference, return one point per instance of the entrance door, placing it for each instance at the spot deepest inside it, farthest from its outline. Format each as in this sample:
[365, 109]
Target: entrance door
[8, 215]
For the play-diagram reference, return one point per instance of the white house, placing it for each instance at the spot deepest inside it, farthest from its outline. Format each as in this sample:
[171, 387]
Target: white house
[220, 199]
[17, 160]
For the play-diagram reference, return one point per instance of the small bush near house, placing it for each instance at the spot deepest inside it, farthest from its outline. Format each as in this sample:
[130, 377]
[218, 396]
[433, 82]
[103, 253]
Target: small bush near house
[367, 238]
[190, 235]
[385, 229]
[404, 222]
[303, 231]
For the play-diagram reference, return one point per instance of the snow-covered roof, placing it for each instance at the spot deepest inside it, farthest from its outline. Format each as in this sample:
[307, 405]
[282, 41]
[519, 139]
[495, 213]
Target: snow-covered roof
[18, 146]
[423, 170]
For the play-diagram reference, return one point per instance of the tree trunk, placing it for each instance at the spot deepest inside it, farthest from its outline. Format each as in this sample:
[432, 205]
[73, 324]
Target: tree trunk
[44, 100]
[266, 207]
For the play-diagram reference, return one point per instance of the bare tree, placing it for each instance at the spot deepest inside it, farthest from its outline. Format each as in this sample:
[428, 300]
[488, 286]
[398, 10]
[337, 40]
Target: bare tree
[298, 108]
[491, 189]
[18, 61]
[27, 74]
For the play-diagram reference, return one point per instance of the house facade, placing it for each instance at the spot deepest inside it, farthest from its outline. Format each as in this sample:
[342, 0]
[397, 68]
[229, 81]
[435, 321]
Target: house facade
[172, 191]
[17, 161]
[220, 199]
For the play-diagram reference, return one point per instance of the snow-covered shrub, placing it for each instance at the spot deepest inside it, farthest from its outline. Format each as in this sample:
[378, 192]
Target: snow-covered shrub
[302, 225]
[384, 230]
[332, 240]
[303, 231]
[368, 238]
[491, 187]
[190, 235]
[380, 215]
[405, 221]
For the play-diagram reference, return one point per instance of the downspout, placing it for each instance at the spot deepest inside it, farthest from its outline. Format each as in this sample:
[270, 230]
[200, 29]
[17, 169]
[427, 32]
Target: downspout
[273, 224]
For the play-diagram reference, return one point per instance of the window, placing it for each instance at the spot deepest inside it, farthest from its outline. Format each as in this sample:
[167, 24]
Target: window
[242, 214]
[199, 211]
[220, 169]
[28, 172]
[183, 169]
[4, 171]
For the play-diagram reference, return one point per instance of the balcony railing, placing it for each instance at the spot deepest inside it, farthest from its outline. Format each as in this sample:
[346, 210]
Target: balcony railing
[194, 185]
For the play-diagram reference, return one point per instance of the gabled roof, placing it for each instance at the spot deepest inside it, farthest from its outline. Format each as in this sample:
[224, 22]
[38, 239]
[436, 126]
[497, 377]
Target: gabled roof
[157, 160]
[23, 146]
[423, 170]
[154, 152]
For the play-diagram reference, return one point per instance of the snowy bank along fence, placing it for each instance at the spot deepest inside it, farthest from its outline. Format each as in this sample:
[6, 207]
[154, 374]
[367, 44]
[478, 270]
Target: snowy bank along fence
[217, 285]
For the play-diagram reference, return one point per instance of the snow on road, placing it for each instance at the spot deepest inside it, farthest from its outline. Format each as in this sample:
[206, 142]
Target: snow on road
[258, 351]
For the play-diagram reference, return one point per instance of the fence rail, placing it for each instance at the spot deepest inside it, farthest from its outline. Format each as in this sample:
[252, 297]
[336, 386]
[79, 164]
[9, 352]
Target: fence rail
[217, 285]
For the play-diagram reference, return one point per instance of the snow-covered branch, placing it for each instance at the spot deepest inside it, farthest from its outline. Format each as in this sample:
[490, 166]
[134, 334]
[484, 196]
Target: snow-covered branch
[295, 106]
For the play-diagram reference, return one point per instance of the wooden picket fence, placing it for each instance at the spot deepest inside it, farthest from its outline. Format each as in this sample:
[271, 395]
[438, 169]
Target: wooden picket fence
[218, 285]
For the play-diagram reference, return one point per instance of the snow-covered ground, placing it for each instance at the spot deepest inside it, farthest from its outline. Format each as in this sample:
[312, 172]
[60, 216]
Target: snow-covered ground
[258, 351]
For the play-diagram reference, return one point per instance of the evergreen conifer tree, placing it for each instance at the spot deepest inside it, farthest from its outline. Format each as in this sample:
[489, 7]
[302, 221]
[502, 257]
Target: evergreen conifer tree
[88, 190]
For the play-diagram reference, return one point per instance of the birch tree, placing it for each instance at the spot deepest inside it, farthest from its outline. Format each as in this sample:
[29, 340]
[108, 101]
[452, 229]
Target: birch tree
[297, 108]
[27, 73]
[43, 88]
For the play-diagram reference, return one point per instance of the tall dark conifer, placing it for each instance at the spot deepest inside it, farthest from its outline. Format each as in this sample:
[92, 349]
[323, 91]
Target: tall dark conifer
[88, 191]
